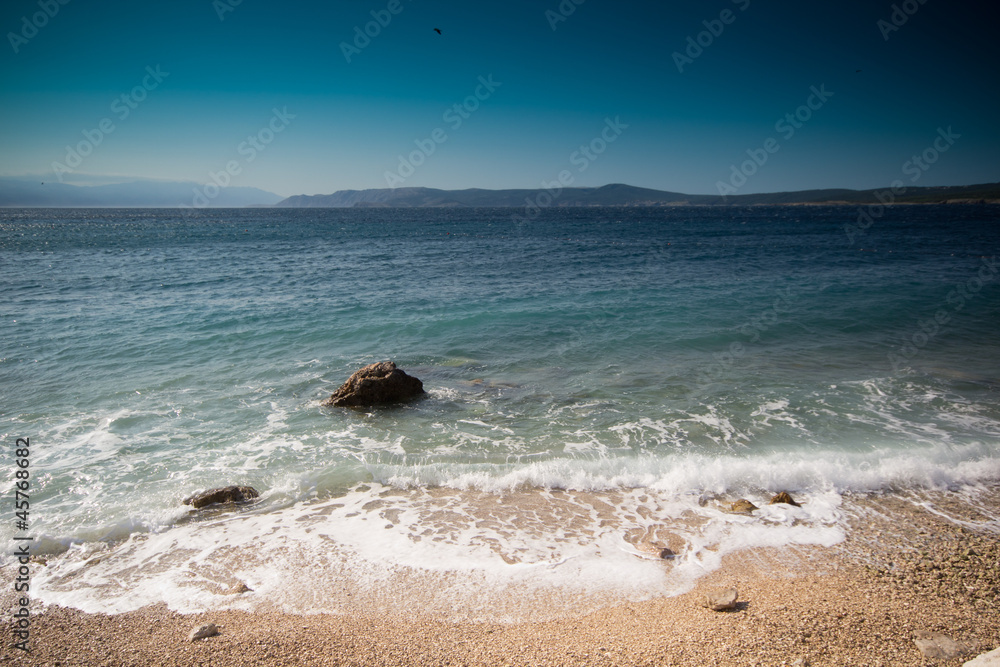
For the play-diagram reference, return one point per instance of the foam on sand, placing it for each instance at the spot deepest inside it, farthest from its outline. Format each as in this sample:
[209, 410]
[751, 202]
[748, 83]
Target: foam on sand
[460, 553]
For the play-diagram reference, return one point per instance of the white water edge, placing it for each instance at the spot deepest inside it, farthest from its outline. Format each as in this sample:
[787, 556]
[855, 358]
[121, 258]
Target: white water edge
[458, 554]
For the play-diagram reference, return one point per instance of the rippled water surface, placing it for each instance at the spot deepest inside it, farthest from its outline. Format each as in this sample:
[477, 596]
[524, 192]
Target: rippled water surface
[643, 361]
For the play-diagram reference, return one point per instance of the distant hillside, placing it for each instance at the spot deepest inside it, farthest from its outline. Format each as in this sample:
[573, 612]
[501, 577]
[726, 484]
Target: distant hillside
[15, 192]
[625, 195]
[608, 195]
[139, 194]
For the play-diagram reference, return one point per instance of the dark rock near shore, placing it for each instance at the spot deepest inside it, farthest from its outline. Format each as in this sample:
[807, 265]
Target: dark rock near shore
[783, 497]
[377, 384]
[226, 494]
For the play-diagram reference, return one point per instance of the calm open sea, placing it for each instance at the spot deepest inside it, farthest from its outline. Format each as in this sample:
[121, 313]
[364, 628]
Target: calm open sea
[599, 381]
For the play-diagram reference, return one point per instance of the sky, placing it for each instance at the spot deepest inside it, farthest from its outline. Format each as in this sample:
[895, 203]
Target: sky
[313, 97]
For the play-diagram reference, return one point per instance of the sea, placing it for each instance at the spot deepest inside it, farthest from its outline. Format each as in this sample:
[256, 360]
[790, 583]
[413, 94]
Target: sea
[601, 384]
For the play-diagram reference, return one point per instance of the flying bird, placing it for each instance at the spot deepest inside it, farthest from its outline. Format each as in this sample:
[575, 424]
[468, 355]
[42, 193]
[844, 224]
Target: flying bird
[437, 30]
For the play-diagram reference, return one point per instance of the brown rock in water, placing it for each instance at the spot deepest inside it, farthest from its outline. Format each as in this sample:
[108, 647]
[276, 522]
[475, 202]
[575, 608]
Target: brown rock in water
[226, 494]
[666, 553]
[783, 497]
[720, 599]
[743, 505]
[238, 589]
[376, 384]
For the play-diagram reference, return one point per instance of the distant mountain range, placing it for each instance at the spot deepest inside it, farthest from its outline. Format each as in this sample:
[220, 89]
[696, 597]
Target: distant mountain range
[138, 194]
[627, 195]
[18, 192]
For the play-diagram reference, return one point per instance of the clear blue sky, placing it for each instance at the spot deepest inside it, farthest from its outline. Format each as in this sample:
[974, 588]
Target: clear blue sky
[352, 120]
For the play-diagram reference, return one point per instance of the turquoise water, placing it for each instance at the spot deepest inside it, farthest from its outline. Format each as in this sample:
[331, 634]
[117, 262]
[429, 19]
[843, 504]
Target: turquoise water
[676, 355]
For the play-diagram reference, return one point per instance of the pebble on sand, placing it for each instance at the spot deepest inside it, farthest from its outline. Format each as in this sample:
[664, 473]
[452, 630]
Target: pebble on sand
[991, 659]
[202, 631]
[720, 599]
[937, 646]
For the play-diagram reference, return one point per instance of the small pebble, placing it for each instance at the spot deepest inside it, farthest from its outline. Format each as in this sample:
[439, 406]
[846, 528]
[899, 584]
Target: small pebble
[202, 631]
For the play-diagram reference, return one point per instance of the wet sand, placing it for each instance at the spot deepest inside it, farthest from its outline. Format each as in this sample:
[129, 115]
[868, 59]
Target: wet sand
[912, 563]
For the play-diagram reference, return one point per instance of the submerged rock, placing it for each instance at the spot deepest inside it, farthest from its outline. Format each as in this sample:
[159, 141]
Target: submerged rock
[743, 505]
[202, 631]
[238, 589]
[376, 384]
[720, 599]
[783, 497]
[225, 494]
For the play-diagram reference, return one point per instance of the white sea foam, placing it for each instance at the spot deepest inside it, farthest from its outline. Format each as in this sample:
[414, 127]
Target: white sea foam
[841, 471]
[384, 545]
[557, 529]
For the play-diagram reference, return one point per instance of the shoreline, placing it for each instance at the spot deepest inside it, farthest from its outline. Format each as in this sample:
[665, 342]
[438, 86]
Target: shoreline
[912, 562]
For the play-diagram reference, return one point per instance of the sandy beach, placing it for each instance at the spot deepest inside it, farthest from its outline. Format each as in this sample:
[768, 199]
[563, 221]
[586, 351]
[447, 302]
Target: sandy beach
[915, 563]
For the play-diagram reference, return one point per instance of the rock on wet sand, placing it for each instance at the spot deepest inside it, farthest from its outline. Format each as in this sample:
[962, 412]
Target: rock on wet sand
[203, 631]
[938, 646]
[720, 599]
